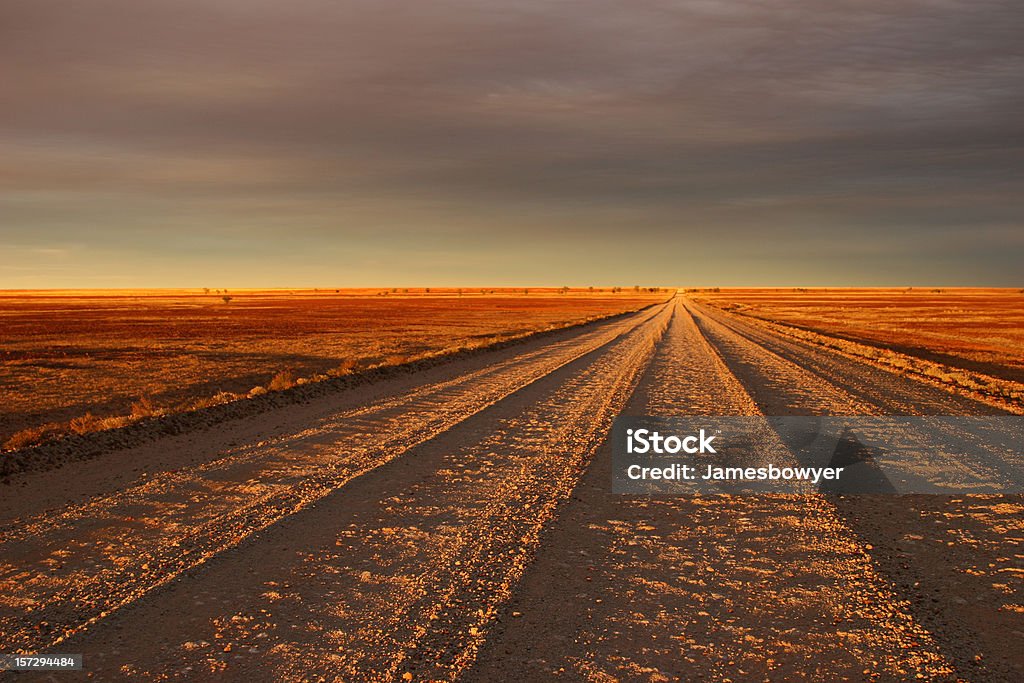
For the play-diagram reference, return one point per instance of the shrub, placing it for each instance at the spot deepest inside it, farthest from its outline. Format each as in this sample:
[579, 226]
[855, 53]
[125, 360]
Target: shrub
[217, 399]
[346, 367]
[285, 379]
[144, 407]
[85, 424]
[26, 438]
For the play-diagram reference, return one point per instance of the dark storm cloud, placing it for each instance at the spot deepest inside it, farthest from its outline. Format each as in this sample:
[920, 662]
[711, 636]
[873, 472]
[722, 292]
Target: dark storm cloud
[863, 142]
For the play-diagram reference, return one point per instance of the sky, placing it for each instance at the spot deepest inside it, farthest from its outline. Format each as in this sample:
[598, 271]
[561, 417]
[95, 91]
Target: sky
[259, 143]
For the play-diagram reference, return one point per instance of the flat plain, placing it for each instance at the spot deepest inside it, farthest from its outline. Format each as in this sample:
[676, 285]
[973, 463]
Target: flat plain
[457, 523]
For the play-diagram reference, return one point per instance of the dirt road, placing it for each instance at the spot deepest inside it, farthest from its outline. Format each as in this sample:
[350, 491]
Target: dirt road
[457, 524]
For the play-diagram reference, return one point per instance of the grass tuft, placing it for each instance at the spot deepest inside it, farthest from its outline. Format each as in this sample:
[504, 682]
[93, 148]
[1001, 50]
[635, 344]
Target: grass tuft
[285, 379]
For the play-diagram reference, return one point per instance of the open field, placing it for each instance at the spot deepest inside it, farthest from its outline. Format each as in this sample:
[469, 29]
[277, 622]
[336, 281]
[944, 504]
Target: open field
[456, 524]
[109, 354]
[977, 329]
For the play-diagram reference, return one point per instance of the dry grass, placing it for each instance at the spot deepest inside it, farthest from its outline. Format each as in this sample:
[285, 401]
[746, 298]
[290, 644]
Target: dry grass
[285, 379]
[967, 340]
[81, 361]
[976, 329]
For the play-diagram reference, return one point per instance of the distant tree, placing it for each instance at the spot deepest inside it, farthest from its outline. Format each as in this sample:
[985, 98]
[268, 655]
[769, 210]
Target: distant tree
[526, 291]
[227, 299]
[427, 290]
[206, 290]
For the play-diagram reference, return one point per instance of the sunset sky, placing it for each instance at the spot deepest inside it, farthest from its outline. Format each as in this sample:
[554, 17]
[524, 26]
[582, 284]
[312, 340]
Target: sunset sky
[250, 143]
